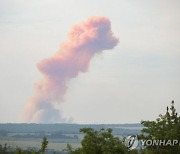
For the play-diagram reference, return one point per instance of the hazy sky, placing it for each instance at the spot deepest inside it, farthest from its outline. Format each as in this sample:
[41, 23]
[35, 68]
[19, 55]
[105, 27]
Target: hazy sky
[133, 82]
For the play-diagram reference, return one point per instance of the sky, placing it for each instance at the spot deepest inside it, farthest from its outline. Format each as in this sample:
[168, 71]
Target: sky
[134, 81]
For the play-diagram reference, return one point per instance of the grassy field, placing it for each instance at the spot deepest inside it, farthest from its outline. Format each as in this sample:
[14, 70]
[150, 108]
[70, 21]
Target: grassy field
[30, 135]
[27, 143]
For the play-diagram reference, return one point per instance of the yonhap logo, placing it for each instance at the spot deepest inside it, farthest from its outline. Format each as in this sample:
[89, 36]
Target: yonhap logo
[131, 142]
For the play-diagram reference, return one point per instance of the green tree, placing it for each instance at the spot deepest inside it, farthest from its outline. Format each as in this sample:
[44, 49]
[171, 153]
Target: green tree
[165, 127]
[44, 145]
[99, 142]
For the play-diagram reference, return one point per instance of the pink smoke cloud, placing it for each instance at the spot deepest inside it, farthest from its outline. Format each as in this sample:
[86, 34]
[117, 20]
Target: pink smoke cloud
[84, 41]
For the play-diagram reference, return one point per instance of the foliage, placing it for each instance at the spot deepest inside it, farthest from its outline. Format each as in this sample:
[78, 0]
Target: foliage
[166, 127]
[7, 149]
[44, 145]
[4, 150]
[98, 142]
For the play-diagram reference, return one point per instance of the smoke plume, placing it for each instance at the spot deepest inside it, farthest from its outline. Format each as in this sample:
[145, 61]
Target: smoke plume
[84, 41]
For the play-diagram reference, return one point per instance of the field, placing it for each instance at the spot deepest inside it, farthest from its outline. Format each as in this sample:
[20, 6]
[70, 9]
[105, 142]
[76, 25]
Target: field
[24, 144]
[29, 136]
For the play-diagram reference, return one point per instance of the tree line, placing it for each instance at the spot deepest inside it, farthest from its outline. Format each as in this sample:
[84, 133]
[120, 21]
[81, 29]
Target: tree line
[165, 127]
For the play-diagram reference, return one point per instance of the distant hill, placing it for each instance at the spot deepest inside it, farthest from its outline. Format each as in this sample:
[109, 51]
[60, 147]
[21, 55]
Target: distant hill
[118, 129]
